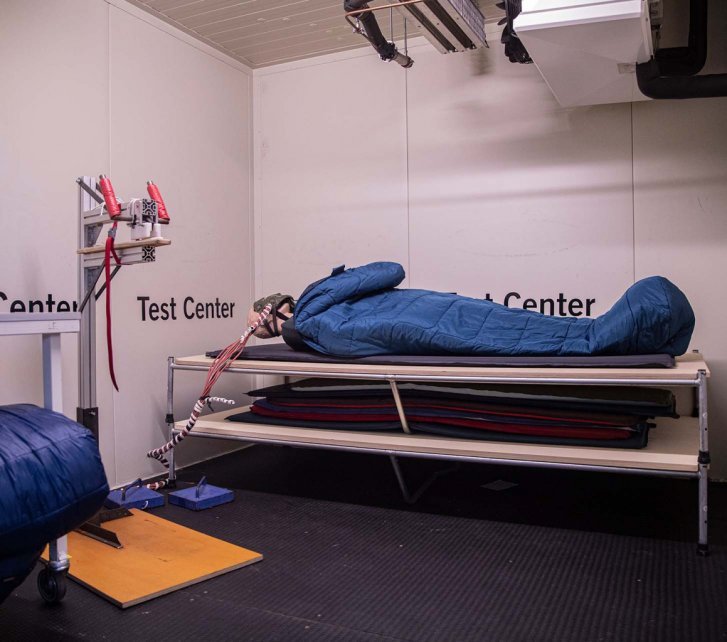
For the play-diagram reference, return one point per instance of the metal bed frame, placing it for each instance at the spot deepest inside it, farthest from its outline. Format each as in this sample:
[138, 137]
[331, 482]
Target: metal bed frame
[697, 383]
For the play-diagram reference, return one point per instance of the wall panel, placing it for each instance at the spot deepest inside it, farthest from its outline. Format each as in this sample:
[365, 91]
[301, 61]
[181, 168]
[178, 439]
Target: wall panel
[53, 128]
[509, 191]
[181, 118]
[330, 169]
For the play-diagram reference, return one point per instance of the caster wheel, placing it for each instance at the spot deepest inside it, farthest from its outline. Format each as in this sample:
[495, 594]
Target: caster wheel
[52, 585]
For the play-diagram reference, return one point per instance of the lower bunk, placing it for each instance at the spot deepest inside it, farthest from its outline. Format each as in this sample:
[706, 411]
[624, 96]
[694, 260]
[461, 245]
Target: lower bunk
[672, 448]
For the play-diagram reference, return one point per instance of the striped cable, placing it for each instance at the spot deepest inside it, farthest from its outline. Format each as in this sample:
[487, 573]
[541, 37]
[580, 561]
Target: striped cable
[219, 365]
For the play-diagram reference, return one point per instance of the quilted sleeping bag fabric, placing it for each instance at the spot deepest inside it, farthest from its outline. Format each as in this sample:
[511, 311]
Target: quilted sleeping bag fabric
[51, 481]
[360, 312]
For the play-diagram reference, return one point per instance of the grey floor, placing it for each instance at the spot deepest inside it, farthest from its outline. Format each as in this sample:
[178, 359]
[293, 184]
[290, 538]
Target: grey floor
[557, 556]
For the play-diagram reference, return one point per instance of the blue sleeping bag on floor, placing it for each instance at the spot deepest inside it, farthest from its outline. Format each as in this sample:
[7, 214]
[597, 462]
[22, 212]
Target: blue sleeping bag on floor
[51, 481]
[359, 312]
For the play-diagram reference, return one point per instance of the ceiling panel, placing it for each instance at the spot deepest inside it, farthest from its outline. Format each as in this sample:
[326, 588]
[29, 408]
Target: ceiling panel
[265, 32]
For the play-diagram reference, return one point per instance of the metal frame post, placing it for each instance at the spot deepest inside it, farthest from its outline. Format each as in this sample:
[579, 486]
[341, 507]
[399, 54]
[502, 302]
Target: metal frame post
[170, 421]
[87, 412]
[412, 497]
[409, 496]
[703, 461]
[58, 559]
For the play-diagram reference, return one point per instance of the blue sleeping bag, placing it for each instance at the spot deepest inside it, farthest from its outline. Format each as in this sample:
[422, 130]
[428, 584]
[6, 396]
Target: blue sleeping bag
[359, 312]
[51, 481]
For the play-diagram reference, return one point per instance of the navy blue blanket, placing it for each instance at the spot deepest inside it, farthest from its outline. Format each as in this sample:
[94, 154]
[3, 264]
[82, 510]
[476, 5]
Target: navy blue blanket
[51, 481]
[360, 312]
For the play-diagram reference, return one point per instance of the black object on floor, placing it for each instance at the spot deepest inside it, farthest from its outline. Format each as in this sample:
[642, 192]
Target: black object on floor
[560, 556]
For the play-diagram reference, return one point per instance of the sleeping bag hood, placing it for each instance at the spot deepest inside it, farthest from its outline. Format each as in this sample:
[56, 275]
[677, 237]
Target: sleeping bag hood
[360, 312]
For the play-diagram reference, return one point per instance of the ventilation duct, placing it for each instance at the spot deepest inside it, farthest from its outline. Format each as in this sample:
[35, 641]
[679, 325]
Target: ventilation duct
[450, 25]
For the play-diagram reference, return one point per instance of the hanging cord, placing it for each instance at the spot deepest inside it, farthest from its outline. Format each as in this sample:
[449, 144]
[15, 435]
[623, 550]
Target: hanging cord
[110, 251]
[219, 365]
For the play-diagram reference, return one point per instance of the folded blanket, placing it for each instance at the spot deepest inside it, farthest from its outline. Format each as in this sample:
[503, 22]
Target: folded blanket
[636, 439]
[627, 400]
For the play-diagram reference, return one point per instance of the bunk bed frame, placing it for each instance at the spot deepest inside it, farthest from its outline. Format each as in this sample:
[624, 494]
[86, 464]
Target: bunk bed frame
[677, 447]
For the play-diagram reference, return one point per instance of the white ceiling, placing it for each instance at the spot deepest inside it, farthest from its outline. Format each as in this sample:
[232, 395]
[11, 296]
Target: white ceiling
[267, 32]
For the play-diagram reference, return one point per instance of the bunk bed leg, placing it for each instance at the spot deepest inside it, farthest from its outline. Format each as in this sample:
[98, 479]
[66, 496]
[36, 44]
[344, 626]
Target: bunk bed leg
[410, 497]
[170, 421]
[413, 497]
[703, 545]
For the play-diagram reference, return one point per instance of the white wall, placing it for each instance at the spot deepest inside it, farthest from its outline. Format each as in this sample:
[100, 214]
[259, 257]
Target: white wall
[506, 191]
[330, 179]
[464, 169]
[88, 87]
[680, 201]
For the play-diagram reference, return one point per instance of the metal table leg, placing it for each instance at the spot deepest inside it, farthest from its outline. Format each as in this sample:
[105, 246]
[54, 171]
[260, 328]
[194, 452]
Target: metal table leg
[703, 545]
[52, 579]
[170, 421]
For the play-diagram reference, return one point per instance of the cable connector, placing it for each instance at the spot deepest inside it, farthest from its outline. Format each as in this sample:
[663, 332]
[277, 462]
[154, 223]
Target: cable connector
[704, 457]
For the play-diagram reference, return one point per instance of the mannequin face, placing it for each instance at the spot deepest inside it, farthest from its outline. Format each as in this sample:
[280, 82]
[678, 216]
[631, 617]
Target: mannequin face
[275, 322]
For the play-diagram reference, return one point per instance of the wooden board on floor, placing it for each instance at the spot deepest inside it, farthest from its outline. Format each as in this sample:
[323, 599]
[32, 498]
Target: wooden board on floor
[158, 557]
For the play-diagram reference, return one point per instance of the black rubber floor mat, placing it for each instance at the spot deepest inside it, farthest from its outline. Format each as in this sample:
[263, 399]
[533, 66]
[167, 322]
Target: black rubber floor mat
[561, 556]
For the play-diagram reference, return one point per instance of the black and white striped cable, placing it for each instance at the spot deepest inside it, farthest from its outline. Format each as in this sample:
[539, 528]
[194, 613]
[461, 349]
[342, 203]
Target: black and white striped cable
[219, 365]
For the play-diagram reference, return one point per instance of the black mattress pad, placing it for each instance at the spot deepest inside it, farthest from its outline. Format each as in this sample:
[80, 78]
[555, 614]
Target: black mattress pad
[283, 352]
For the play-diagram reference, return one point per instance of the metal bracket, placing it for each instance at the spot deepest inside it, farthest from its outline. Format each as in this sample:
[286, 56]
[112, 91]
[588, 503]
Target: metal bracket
[88, 417]
[103, 285]
[92, 233]
[93, 529]
[91, 192]
[412, 497]
[92, 277]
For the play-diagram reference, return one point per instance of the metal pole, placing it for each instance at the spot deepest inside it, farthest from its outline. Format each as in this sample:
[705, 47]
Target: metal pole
[400, 3]
[703, 545]
[406, 39]
[400, 478]
[87, 412]
[58, 559]
[170, 420]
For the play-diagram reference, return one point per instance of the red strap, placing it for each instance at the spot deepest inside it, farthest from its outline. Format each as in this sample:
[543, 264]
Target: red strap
[109, 250]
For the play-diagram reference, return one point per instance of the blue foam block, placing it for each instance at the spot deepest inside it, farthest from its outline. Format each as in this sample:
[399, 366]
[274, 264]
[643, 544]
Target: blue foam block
[209, 496]
[135, 498]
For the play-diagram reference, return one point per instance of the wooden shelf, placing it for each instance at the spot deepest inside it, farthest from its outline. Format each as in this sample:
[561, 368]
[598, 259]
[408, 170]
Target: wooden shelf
[96, 249]
[673, 444]
[686, 370]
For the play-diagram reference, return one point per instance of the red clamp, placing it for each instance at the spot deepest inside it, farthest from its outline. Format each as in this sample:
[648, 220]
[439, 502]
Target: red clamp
[156, 196]
[112, 203]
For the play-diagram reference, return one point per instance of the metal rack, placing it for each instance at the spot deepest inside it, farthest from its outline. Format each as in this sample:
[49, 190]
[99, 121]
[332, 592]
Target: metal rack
[92, 217]
[50, 326]
[679, 448]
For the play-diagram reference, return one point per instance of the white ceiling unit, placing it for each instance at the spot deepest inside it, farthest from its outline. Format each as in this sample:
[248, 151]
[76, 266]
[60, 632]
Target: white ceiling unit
[586, 50]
